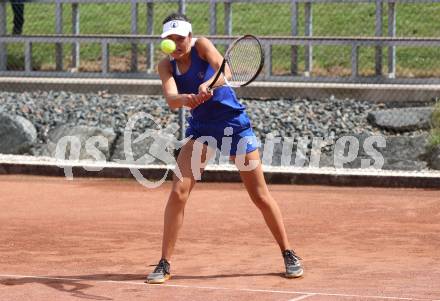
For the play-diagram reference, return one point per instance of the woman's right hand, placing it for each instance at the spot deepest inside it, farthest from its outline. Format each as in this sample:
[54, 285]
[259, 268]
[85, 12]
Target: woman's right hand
[192, 100]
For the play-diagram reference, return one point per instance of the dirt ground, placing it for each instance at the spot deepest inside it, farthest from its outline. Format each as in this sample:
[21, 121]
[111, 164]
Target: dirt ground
[95, 239]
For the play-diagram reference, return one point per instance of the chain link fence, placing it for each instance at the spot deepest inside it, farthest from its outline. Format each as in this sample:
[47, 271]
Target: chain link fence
[263, 18]
[410, 129]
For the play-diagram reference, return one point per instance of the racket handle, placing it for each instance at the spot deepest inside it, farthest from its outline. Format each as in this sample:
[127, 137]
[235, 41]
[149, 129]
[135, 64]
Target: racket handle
[210, 89]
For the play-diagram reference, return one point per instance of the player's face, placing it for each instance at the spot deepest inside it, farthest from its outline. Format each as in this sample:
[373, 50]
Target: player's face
[183, 45]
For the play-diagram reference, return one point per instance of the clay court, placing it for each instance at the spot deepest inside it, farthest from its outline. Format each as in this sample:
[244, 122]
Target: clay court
[93, 239]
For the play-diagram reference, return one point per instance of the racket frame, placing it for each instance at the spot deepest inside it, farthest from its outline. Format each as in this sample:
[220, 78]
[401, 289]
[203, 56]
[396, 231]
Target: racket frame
[225, 61]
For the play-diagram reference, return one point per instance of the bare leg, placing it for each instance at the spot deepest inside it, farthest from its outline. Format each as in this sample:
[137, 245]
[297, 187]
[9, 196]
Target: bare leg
[175, 208]
[259, 193]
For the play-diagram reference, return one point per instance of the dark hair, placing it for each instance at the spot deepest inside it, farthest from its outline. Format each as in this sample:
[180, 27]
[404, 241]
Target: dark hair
[176, 16]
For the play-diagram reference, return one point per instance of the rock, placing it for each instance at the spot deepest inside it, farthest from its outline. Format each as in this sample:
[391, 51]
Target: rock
[91, 139]
[400, 153]
[327, 118]
[433, 158]
[285, 153]
[139, 153]
[406, 148]
[408, 165]
[17, 134]
[403, 119]
[152, 147]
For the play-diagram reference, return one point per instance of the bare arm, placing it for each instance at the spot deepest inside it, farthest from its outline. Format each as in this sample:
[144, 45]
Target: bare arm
[169, 87]
[209, 53]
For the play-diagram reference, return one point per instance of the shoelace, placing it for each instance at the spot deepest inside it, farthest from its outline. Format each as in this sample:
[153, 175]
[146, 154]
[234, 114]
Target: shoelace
[161, 267]
[291, 257]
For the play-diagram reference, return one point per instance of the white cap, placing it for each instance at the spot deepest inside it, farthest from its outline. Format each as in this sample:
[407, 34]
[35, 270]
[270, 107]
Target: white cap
[179, 27]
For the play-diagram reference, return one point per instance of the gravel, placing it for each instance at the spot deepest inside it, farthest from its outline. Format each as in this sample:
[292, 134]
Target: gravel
[48, 110]
[300, 117]
[286, 118]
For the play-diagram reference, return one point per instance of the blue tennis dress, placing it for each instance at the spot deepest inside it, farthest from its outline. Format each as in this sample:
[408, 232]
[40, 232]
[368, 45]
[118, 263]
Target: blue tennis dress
[221, 120]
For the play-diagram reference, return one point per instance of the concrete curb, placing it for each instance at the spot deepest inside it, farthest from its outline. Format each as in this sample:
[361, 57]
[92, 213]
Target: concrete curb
[265, 90]
[26, 165]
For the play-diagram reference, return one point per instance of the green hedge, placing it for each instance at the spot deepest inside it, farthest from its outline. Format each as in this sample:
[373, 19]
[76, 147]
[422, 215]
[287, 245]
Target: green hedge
[435, 132]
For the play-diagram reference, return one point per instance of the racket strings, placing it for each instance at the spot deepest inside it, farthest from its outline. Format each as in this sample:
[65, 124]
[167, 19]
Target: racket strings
[244, 61]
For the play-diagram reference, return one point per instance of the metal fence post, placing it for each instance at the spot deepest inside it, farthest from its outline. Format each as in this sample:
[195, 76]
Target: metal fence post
[268, 61]
[212, 17]
[3, 48]
[182, 6]
[378, 33]
[59, 30]
[105, 63]
[75, 31]
[228, 17]
[182, 111]
[354, 61]
[294, 49]
[134, 31]
[150, 29]
[308, 32]
[28, 56]
[392, 33]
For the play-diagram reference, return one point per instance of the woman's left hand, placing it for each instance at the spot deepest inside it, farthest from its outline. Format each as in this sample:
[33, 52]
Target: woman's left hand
[204, 92]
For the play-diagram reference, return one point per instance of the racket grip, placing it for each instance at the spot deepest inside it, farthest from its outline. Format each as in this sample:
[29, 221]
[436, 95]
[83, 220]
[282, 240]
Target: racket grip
[211, 87]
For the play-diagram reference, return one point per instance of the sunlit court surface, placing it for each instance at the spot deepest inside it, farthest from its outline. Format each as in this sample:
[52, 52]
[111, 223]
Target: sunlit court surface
[94, 239]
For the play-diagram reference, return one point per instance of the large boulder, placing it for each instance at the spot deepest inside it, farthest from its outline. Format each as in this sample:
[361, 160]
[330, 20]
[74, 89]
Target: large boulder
[355, 145]
[17, 134]
[402, 119]
[406, 153]
[151, 147]
[80, 142]
[400, 153]
[433, 158]
[138, 154]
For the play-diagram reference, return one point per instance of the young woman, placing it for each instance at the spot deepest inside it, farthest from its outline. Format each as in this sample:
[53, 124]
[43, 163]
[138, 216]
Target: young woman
[185, 77]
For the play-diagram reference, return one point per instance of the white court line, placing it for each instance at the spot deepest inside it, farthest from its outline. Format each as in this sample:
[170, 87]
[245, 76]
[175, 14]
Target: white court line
[50, 161]
[301, 297]
[309, 294]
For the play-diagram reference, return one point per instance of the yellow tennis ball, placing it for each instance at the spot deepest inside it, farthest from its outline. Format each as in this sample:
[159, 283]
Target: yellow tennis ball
[167, 46]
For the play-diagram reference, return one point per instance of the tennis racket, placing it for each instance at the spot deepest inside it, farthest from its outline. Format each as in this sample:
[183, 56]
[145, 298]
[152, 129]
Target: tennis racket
[241, 64]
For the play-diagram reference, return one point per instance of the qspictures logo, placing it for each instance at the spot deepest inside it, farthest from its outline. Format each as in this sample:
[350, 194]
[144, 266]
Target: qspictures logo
[162, 144]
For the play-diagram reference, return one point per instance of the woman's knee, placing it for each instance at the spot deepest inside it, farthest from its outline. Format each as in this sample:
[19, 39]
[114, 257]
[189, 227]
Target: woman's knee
[179, 195]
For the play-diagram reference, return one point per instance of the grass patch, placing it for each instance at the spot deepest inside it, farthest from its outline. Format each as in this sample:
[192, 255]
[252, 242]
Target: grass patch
[329, 19]
[434, 138]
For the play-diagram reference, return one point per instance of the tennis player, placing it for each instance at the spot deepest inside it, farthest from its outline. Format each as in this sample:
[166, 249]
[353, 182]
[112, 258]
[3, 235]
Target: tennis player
[186, 75]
